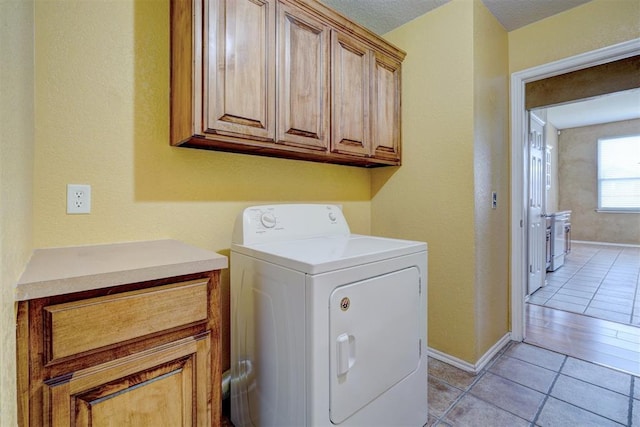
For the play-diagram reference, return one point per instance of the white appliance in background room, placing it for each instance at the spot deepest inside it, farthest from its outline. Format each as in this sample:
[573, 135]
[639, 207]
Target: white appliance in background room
[560, 242]
[327, 327]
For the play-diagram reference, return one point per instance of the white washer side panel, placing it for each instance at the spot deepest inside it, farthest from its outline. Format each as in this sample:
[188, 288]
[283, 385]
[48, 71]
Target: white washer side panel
[267, 344]
[375, 339]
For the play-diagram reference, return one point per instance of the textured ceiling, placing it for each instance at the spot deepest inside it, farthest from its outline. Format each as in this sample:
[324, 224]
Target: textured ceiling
[603, 109]
[513, 14]
[382, 16]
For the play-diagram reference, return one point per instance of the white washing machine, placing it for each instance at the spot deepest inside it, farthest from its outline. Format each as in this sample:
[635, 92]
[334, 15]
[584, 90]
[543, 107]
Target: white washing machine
[327, 327]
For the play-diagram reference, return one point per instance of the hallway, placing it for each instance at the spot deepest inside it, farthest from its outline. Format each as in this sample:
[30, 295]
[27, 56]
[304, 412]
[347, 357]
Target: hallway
[596, 280]
[590, 308]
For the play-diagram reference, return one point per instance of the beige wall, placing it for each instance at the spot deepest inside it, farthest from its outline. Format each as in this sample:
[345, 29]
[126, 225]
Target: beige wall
[430, 198]
[591, 26]
[102, 114]
[101, 118]
[102, 91]
[454, 134]
[447, 121]
[491, 173]
[16, 180]
[578, 173]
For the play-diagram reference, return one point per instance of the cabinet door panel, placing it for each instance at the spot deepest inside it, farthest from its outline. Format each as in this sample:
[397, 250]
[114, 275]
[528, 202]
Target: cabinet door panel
[167, 386]
[120, 404]
[240, 68]
[303, 61]
[385, 107]
[350, 90]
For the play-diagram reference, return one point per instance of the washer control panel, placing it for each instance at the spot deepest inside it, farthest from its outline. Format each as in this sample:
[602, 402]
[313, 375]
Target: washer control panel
[271, 223]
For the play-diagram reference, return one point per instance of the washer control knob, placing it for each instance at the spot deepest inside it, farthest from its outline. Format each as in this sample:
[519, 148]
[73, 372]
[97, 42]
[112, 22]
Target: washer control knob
[268, 220]
[332, 216]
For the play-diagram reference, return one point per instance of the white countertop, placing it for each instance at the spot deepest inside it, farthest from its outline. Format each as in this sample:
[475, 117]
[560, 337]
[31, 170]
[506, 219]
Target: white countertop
[58, 271]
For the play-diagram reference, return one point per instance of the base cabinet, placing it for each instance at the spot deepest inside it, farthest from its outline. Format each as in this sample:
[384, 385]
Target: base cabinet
[283, 78]
[143, 354]
[166, 386]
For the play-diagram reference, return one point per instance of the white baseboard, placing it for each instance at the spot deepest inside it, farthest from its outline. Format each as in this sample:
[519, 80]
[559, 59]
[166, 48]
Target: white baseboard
[469, 367]
[586, 242]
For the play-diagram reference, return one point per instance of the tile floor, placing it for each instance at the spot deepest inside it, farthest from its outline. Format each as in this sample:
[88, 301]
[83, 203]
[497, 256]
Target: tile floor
[526, 385]
[596, 280]
[529, 386]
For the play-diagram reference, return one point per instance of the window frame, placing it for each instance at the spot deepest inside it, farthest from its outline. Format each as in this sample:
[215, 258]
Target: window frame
[600, 180]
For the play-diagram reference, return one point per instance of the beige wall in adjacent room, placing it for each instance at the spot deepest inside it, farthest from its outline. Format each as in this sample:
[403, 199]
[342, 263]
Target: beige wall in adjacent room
[16, 181]
[578, 174]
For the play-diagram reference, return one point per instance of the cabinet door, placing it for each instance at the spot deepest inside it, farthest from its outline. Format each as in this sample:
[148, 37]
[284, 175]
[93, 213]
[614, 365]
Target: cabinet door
[385, 108]
[350, 96]
[239, 68]
[303, 81]
[166, 386]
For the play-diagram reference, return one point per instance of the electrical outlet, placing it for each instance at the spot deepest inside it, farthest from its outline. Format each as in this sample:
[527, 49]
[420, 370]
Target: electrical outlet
[78, 198]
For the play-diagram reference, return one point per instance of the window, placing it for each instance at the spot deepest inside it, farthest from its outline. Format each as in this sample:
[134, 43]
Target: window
[619, 174]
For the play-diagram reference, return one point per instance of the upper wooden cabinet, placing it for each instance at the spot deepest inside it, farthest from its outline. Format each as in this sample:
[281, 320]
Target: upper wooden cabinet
[283, 78]
[303, 79]
[239, 69]
[351, 96]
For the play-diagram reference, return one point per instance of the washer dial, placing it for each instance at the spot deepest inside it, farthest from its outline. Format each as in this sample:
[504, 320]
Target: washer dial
[268, 220]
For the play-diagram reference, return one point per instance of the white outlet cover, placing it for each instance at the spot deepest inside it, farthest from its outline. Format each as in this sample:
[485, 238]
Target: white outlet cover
[78, 198]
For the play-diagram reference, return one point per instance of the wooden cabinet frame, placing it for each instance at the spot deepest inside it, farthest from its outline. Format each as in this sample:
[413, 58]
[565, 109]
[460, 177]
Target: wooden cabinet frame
[187, 350]
[271, 113]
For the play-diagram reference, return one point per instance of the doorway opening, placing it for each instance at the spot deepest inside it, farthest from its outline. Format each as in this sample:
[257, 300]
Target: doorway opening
[519, 155]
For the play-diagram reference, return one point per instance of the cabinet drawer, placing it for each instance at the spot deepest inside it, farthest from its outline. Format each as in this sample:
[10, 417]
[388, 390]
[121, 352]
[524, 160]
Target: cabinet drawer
[80, 326]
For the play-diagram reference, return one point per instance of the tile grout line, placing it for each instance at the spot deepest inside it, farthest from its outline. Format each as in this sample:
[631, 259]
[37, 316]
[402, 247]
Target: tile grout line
[630, 413]
[637, 283]
[481, 374]
[635, 296]
[600, 283]
[571, 277]
[611, 265]
[467, 391]
[589, 410]
[459, 398]
[548, 394]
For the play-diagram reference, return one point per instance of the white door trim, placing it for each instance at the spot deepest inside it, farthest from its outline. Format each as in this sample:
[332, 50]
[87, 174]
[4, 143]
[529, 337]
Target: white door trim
[518, 259]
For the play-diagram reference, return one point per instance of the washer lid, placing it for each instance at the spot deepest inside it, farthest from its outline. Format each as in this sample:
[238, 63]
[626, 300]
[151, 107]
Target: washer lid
[329, 253]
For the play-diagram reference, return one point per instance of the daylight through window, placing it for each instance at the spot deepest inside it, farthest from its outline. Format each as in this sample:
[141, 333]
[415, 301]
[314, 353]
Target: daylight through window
[619, 173]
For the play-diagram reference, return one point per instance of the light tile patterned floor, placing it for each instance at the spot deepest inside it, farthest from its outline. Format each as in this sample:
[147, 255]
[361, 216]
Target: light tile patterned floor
[597, 280]
[529, 386]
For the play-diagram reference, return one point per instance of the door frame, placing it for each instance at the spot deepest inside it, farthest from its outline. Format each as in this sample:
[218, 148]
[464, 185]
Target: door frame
[519, 182]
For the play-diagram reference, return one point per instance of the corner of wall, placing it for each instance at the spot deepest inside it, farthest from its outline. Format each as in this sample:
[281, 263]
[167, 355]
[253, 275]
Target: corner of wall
[16, 182]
